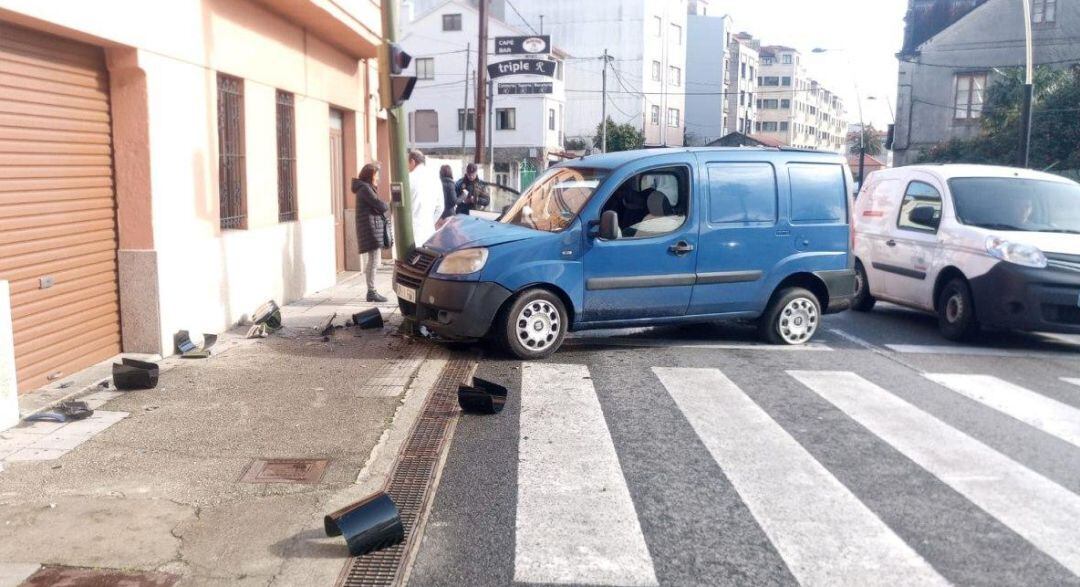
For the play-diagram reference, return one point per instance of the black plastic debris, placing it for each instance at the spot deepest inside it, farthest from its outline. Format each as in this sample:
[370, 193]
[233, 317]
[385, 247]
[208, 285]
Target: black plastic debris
[133, 374]
[371, 318]
[368, 525]
[188, 349]
[268, 314]
[327, 325]
[482, 397]
[63, 412]
[258, 331]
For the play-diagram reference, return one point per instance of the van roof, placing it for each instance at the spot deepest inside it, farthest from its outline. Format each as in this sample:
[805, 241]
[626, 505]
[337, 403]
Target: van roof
[617, 159]
[948, 171]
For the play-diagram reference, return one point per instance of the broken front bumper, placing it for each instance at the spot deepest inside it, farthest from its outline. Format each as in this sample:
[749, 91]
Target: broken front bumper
[458, 310]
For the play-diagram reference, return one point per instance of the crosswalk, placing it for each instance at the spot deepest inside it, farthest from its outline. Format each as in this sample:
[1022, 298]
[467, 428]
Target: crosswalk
[577, 521]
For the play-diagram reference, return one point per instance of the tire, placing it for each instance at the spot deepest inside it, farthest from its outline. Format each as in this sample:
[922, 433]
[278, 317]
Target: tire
[534, 326]
[956, 311]
[863, 302]
[792, 317]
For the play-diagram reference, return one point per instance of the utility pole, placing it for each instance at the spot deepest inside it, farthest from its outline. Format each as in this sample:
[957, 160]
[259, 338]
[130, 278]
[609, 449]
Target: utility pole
[491, 130]
[399, 169]
[481, 82]
[1029, 89]
[465, 122]
[603, 107]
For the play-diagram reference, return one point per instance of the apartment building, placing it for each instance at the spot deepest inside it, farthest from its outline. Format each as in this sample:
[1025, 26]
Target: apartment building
[708, 36]
[795, 109]
[170, 166]
[742, 65]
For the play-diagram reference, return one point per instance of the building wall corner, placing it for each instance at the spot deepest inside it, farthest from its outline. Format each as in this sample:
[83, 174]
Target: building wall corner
[9, 398]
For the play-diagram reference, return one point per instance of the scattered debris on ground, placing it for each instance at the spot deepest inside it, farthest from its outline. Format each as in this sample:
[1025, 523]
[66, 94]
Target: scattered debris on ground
[188, 350]
[63, 412]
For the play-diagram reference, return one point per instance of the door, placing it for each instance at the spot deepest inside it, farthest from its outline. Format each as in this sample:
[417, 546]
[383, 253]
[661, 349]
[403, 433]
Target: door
[649, 271]
[915, 243]
[740, 239]
[337, 183]
[58, 237]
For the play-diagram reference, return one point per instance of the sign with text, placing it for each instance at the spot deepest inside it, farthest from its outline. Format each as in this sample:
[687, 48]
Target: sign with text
[525, 88]
[535, 45]
[545, 67]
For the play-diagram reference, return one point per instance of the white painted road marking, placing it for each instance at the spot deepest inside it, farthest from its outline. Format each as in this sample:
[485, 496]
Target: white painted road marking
[1038, 411]
[942, 349]
[1043, 512]
[823, 532]
[693, 344]
[576, 522]
[1073, 380]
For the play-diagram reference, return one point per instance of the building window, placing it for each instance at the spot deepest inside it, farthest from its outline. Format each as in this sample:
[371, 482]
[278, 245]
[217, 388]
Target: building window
[559, 70]
[451, 22]
[783, 126]
[742, 70]
[466, 122]
[1043, 11]
[551, 119]
[769, 104]
[769, 80]
[654, 115]
[970, 88]
[768, 126]
[674, 76]
[286, 157]
[742, 125]
[658, 24]
[785, 81]
[425, 68]
[742, 98]
[505, 118]
[656, 71]
[751, 72]
[231, 167]
[425, 126]
[786, 58]
[757, 127]
[673, 117]
[676, 34]
[785, 104]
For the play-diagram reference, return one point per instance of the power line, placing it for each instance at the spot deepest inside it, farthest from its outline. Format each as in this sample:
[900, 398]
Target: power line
[961, 66]
[514, 8]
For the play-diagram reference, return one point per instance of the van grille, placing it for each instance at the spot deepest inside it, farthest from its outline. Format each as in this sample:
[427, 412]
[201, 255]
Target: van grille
[421, 260]
[1062, 261]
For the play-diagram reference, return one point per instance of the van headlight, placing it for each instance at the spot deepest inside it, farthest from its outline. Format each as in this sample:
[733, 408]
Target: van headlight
[463, 262]
[1017, 253]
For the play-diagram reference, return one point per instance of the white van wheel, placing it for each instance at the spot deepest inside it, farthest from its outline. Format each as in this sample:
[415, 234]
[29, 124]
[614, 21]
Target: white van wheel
[793, 317]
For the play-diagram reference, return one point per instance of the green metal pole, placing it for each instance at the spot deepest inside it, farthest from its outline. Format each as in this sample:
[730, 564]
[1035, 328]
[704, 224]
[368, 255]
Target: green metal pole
[399, 167]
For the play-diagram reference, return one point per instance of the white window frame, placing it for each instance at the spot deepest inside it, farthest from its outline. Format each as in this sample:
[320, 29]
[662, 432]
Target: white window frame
[425, 68]
[673, 114]
[968, 100]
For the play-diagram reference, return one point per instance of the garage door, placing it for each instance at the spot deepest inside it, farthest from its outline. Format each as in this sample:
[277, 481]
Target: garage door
[57, 205]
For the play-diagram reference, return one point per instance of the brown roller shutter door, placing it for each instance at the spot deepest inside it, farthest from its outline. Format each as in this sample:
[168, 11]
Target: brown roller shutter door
[57, 205]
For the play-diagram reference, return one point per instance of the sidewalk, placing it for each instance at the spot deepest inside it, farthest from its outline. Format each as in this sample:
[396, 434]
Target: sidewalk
[165, 480]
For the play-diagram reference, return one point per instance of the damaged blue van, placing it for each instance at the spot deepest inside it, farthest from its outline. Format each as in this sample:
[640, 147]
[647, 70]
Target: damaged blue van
[643, 238]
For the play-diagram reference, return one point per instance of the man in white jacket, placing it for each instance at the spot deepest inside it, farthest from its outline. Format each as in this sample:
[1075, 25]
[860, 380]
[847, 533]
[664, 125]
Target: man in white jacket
[425, 190]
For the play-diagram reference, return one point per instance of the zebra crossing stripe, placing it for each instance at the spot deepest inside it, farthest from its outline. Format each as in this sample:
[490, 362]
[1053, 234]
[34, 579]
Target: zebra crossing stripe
[576, 522]
[1044, 513]
[1038, 411]
[823, 532]
[1073, 380]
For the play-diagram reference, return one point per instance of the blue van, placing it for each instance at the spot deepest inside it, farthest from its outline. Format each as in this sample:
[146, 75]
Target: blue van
[642, 238]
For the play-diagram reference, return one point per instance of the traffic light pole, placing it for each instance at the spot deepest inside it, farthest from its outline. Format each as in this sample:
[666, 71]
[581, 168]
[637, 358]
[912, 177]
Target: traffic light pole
[399, 167]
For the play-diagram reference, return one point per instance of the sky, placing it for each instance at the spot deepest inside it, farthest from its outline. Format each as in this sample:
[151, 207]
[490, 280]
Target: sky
[862, 38]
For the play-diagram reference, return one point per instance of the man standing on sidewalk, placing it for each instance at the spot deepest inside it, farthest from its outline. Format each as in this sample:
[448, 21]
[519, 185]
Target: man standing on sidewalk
[427, 198]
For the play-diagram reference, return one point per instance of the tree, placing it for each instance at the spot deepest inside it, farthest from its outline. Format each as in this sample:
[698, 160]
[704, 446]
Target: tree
[620, 137]
[1055, 134]
[872, 138]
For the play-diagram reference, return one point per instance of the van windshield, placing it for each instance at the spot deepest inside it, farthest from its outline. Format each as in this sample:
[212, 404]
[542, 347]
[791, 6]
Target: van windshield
[1008, 203]
[554, 200]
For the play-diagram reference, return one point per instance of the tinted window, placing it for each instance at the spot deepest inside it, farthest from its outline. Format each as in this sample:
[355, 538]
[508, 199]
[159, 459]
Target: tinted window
[817, 193]
[1012, 203]
[742, 192]
[919, 194]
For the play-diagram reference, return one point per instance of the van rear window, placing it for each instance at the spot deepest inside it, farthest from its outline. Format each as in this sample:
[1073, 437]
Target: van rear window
[742, 192]
[818, 193]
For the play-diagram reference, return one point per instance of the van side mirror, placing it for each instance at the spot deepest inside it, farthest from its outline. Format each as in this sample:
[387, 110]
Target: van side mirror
[925, 216]
[609, 226]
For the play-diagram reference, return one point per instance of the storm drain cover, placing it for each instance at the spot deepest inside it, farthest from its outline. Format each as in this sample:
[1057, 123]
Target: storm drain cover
[81, 577]
[309, 471]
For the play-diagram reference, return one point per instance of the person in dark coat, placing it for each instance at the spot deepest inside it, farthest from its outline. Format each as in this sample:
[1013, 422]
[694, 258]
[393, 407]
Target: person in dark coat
[450, 200]
[372, 229]
[472, 193]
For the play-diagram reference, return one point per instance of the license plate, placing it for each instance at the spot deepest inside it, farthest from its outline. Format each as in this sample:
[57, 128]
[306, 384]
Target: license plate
[406, 293]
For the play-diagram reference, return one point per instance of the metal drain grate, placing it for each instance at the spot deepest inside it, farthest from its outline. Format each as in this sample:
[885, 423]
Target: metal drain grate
[411, 480]
[306, 471]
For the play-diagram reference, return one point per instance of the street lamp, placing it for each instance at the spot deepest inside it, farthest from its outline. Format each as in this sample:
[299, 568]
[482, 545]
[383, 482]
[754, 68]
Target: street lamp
[1029, 88]
[858, 101]
[888, 102]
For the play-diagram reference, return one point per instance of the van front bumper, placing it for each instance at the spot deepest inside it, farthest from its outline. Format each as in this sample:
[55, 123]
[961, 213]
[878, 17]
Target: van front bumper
[1030, 299]
[454, 310]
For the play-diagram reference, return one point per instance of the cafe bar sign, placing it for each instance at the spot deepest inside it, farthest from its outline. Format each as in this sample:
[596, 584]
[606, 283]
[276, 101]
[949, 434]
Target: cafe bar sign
[535, 45]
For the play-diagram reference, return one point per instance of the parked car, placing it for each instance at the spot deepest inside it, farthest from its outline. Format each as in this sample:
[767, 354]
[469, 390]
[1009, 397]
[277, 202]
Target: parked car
[977, 245]
[643, 238]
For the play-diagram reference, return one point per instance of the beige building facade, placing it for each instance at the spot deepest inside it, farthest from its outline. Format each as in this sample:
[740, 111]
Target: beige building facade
[170, 166]
[795, 109]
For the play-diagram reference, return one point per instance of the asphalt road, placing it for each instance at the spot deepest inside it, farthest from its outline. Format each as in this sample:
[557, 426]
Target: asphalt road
[692, 456]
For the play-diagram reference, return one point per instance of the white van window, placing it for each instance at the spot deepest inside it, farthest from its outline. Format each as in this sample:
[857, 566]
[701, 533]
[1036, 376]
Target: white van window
[920, 195]
[652, 203]
[818, 193]
[742, 193]
[1012, 203]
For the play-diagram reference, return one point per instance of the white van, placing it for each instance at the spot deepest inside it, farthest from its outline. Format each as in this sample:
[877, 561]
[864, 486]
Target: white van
[977, 245]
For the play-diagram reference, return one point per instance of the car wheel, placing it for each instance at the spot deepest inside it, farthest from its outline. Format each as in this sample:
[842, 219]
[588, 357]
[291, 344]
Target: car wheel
[792, 317]
[863, 302]
[533, 327]
[956, 311]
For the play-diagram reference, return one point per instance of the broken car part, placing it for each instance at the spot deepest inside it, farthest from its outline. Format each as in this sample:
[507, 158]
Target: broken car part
[258, 331]
[63, 412]
[368, 525]
[188, 350]
[327, 325]
[371, 318]
[268, 314]
[482, 397]
[132, 374]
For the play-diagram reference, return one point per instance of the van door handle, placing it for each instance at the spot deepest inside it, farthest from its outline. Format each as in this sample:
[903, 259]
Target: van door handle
[681, 248]
[890, 243]
[783, 233]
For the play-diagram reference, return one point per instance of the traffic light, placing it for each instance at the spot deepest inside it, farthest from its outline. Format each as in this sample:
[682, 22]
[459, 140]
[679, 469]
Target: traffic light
[396, 88]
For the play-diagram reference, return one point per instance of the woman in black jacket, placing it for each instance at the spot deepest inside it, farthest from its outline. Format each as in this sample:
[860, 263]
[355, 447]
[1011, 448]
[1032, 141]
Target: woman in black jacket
[446, 175]
[372, 230]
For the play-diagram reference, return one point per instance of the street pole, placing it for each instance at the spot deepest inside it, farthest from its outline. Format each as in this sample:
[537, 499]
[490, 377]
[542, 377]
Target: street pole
[862, 139]
[481, 82]
[491, 130]
[465, 125]
[1029, 89]
[399, 168]
[603, 107]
